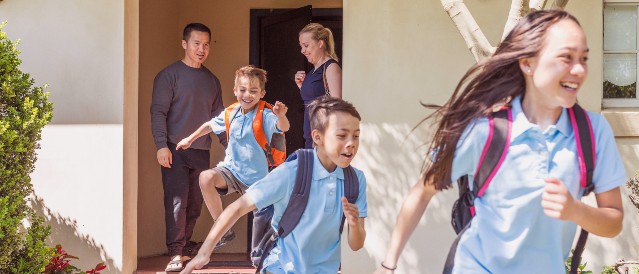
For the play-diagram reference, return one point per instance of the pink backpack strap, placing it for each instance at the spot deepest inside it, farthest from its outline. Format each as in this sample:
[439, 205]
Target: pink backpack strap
[584, 137]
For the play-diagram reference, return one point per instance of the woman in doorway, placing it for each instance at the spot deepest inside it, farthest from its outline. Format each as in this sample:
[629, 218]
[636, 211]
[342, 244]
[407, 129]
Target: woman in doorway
[325, 79]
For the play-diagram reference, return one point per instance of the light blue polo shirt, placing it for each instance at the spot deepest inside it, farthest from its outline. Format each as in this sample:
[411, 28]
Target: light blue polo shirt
[244, 156]
[314, 245]
[510, 232]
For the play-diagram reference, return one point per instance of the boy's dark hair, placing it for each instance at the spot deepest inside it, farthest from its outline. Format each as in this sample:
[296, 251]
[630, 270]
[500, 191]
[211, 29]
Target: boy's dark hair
[194, 27]
[252, 73]
[322, 107]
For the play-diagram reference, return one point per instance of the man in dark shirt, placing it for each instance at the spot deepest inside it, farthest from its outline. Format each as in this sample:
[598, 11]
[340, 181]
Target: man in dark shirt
[185, 95]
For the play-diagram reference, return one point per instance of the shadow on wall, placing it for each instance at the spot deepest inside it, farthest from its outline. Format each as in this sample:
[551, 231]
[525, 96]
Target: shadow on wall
[392, 157]
[64, 229]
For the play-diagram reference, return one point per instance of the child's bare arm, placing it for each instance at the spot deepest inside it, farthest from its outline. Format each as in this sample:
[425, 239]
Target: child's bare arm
[201, 131]
[412, 210]
[356, 230]
[227, 219]
[604, 220]
[282, 123]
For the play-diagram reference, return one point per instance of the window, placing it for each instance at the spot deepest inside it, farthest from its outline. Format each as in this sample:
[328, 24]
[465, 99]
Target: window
[620, 54]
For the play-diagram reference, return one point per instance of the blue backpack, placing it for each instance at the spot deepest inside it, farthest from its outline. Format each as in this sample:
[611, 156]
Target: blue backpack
[493, 155]
[264, 237]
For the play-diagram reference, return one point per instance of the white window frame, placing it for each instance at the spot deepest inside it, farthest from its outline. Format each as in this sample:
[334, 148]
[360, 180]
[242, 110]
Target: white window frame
[623, 102]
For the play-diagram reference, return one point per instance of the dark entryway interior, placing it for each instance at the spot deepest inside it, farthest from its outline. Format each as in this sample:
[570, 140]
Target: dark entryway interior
[274, 46]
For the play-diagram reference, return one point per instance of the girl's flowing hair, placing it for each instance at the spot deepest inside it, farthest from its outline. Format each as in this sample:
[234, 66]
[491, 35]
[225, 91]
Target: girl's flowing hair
[487, 84]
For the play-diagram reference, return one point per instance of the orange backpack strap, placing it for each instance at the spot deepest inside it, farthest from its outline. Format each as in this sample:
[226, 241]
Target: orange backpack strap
[258, 125]
[227, 118]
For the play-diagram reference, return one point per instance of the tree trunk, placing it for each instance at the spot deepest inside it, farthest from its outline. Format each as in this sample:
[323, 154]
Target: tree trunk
[518, 9]
[559, 4]
[468, 28]
[471, 32]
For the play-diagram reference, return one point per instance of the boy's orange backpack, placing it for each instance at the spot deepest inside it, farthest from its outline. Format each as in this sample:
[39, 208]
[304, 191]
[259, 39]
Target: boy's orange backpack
[275, 152]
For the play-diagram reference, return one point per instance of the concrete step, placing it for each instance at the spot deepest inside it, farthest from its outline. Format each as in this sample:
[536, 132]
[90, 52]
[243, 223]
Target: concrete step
[220, 264]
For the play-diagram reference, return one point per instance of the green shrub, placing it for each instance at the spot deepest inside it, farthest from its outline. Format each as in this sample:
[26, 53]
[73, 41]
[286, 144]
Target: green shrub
[24, 111]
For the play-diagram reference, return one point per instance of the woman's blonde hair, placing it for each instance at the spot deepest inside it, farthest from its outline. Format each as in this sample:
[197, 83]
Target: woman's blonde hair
[320, 33]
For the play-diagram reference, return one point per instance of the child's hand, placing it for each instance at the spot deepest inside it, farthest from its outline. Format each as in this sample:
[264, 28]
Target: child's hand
[184, 144]
[280, 109]
[196, 263]
[351, 212]
[557, 201]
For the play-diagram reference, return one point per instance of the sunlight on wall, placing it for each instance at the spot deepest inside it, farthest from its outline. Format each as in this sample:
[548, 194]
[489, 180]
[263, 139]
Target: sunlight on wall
[78, 187]
[391, 157]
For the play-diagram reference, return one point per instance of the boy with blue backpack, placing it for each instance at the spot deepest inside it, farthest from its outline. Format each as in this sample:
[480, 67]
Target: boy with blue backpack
[318, 188]
[255, 141]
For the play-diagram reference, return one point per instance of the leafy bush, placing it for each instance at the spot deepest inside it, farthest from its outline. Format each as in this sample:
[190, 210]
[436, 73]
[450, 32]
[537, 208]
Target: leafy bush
[633, 188]
[582, 266]
[24, 111]
[61, 264]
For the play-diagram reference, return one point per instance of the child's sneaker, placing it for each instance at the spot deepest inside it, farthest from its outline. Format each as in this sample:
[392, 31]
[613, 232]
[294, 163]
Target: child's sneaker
[192, 248]
[228, 237]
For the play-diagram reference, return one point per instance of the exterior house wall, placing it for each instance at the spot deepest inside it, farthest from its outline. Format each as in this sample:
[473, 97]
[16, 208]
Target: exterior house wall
[76, 47]
[401, 53]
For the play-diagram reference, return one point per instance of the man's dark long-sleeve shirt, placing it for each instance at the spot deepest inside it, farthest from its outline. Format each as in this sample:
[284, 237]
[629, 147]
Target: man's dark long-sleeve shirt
[183, 99]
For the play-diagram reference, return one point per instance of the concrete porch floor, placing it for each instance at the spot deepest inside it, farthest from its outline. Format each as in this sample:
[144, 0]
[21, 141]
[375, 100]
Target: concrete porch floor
[220, 264]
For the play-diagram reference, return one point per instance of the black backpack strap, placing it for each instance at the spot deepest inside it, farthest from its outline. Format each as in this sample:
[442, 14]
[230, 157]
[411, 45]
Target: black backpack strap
[351, 190]
[495, 152]
[301, 190]
[267, 243]
[584, 137]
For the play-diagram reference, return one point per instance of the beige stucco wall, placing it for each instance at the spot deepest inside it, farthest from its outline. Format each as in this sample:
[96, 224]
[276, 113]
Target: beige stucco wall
[161, 24]
[398, 53]
[76, 47]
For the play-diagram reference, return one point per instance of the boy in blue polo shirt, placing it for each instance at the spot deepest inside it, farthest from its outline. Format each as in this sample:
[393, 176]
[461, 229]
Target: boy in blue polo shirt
[313, 246]
[245, 161]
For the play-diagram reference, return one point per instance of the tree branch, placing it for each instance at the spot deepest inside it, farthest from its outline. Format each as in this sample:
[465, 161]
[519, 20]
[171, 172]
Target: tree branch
[559, 4]
[475, 39]
[518, 8]
[536, 5]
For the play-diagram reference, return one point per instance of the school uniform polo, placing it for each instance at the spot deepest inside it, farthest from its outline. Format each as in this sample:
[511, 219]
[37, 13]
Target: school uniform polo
[244, 156]
[510, 232]
[314, 245]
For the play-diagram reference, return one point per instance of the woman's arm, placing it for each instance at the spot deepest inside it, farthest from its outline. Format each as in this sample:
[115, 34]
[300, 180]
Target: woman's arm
[412, 210]
[334, 80]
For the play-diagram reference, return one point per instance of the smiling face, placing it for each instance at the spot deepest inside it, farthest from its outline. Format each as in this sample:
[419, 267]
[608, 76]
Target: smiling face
[248, 92]
[312, 49]
[339, 142]
[554, 76]
[196, 49]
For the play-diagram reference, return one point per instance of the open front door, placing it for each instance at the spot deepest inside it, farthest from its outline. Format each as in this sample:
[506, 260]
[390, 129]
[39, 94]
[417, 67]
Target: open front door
[280, 56]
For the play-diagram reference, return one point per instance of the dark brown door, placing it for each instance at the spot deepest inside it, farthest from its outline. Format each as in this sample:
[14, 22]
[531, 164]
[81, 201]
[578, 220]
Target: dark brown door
[280, 56]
